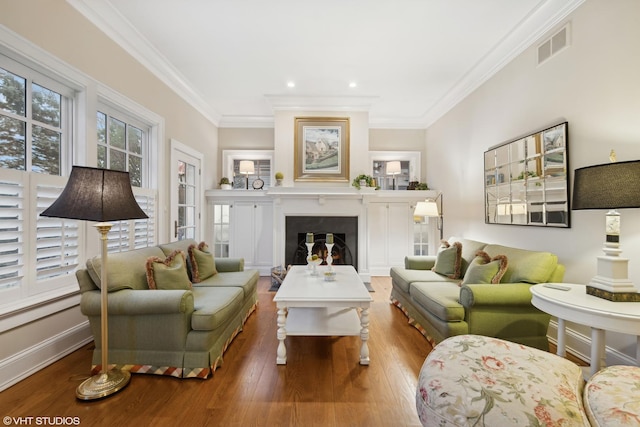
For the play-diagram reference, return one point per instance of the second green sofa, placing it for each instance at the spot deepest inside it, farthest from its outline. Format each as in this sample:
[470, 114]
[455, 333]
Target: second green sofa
[439, 307]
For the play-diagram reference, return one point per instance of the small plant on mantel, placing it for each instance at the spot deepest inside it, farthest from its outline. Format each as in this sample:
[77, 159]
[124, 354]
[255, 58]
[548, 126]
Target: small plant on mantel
[364, 178]
[224, 183]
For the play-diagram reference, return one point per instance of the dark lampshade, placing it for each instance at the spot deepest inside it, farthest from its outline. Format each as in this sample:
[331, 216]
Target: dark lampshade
[93, 194]
[608, 186]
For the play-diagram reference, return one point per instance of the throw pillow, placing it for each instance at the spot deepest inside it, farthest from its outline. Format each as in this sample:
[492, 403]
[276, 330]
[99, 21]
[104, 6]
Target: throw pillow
[168, 273]
[201, 262]
[449, 260]
[484, 269]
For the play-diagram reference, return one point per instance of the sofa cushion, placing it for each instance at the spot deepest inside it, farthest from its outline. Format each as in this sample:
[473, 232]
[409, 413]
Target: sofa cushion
[448, 260]
[609, 397]
[484, 269]
[247, 280]
[439, 299]
[201, 262]
[469, 249]
[214, 307]
[403, 277]
[525, 266]
[168, 273]
[125, 270]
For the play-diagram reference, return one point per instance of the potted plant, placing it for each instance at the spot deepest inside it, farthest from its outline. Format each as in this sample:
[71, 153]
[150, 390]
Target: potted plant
[224, 183]
[363, 180]
[279, 177]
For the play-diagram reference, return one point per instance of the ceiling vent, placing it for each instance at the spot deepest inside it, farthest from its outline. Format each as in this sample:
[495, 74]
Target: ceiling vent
[553, 44]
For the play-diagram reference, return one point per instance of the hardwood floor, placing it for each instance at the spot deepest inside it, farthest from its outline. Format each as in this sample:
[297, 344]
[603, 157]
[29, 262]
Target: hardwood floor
[321, 385]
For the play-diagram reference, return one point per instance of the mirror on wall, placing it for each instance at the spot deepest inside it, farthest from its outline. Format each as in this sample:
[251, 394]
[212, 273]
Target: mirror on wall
[526, 180]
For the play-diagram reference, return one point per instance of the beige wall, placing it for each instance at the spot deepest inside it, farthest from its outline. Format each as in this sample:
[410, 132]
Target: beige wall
[594, 86]
[58, 29]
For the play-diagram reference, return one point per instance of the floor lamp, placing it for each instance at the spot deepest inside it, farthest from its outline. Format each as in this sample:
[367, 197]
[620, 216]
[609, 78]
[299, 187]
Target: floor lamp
[99, 195]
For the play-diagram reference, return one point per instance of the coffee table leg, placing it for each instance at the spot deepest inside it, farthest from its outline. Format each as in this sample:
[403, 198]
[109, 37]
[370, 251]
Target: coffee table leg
[281, 358]
[364, 336]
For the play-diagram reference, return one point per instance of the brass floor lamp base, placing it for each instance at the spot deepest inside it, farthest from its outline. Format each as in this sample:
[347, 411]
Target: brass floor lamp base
[103, 384]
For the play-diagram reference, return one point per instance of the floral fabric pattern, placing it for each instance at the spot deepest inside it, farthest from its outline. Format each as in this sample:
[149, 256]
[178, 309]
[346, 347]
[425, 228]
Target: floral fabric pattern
[470, 380]
[612, 397]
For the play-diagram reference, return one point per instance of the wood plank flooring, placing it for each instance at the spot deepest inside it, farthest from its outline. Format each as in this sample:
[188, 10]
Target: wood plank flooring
[321, 385]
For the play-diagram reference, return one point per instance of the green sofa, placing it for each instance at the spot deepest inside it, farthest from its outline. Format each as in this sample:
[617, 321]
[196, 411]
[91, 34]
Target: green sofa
[181, 333]
[440, 308]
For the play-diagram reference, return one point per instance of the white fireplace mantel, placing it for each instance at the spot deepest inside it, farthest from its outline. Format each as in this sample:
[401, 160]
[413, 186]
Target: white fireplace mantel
[323, 201]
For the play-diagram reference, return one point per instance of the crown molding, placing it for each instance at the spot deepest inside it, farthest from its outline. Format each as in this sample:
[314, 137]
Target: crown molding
[107, 19]
[548, 14]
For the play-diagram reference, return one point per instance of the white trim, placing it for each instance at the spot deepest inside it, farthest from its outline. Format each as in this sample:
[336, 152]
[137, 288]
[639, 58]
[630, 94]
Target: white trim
[19, 366]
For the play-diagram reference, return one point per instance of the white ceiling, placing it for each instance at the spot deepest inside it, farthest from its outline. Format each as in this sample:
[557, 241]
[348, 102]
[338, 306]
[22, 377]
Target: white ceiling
[411, 60]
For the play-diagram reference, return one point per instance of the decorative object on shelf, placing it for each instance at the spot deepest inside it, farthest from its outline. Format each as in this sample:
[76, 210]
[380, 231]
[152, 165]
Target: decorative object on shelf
[257, 184]
[363, 180]
[247, 167]
[321, 149]
[430, 208]
[279, 177]
[100, 195]
[609, 186]
[224, 183]
[314, 261]
[393, 169]
[422, 186]
[526, 180]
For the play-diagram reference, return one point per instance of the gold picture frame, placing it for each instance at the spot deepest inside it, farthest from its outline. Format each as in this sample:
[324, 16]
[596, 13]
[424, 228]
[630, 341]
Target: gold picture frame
[321, 149]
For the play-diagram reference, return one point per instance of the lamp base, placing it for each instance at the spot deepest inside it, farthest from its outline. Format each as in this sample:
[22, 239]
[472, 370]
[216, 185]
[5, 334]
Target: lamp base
[103, 384]
[614, 296]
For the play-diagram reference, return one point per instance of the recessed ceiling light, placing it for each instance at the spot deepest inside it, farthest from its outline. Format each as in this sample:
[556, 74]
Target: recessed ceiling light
[291, 84]
[353, 84]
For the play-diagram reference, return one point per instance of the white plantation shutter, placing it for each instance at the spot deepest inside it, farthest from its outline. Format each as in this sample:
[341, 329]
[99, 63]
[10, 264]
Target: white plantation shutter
[57, 240]
[12, 207]
[144, 231]
[139, 233]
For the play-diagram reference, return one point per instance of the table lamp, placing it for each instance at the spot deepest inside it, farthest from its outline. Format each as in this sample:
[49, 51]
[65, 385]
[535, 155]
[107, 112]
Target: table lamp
[393, 169]
[429, 208]
[99, 195]
[247, 167]
[609, 186]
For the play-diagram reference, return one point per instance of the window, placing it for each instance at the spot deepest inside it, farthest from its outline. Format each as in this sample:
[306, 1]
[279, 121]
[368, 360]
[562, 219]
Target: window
[262, 159]
[37, 254]
[122, 145]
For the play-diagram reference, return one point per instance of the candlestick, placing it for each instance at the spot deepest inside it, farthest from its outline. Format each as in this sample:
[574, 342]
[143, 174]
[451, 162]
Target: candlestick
[329, 256]
[330, 238]
[309, 237]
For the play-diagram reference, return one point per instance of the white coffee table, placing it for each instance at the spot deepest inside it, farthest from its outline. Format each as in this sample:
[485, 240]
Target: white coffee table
[310, 306]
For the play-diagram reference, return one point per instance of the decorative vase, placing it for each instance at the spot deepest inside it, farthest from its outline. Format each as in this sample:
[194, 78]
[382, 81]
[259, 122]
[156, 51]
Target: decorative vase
[278, 182]
[225, 186]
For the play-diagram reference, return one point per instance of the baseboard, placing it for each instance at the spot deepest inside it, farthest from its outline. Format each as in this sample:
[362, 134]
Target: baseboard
[21, 365]
[579, 345]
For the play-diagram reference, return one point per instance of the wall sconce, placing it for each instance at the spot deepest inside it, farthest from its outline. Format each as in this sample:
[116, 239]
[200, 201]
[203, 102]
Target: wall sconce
[429, 208]
[393, 169]
[247, 167]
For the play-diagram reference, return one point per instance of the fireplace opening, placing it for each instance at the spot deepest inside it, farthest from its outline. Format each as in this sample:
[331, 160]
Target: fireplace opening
[345, 239]
[340, 253]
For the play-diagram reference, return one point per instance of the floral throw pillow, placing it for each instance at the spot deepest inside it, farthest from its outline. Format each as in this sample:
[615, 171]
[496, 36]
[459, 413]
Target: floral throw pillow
[484, 269]
[201, 262]
[168, 273]
[449, 260]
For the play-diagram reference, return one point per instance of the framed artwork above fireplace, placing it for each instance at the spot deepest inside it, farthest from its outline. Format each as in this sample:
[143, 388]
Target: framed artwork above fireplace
[321, 149]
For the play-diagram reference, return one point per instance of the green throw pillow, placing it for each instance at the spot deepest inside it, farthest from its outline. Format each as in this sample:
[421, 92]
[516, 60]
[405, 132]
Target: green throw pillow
[484, 269]
[201, 262]
[168, 273]
[449, 260]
